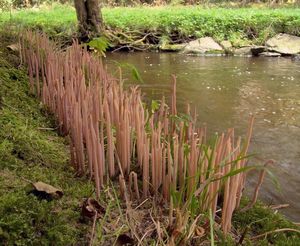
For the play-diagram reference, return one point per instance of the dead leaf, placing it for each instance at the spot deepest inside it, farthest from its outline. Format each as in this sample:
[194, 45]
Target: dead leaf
[176, 233]
[13, 47]
[89, 208]
[46, 191]
[199, 231]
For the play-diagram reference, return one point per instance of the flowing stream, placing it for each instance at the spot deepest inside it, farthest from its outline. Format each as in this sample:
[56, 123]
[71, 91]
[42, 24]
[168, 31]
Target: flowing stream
[225, 91]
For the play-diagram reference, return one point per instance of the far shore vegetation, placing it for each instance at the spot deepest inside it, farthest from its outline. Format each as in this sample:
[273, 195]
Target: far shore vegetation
[177, 24]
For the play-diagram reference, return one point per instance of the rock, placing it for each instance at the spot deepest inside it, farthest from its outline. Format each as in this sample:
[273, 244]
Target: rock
[226, 45]
[284, 43]
[203, 46]
[296, 57]
[249, 51]
[270, 54]
[244, 51]
[172, 47]
[256, 50]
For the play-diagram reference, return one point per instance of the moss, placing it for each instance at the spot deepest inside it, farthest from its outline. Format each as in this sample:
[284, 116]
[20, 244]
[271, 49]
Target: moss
[29, 153]
[261, 219]
[172, 47]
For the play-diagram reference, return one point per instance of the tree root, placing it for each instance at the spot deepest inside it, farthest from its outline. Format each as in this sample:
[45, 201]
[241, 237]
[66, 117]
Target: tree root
[139, 40]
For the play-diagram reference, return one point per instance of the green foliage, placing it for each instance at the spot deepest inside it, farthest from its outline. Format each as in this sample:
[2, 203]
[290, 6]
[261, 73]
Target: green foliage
[58, 21]
[132, 69]
[100, 44]
[220, 23]
[154, 105]
[239, 25]
[211, 222]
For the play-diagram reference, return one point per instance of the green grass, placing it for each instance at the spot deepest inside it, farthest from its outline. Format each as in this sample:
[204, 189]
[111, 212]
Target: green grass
[239, 25]
[30, 153]
[219, 23]
[54, 20]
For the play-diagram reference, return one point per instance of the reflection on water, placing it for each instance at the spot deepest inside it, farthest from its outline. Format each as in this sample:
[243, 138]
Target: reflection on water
[225, 90]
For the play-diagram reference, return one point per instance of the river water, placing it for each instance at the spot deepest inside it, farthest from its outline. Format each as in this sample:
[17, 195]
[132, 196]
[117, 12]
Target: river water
[225, 91]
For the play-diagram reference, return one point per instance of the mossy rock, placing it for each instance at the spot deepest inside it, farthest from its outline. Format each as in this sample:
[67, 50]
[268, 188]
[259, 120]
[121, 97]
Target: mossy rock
[172, 47]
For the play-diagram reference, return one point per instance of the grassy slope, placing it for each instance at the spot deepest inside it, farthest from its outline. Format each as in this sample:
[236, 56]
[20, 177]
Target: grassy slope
[28, 152]
[238, 24]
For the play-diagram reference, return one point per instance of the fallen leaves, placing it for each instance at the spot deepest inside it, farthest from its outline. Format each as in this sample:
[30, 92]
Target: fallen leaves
[46, 191]
[13, 47]
[91, 207]
[199, 231]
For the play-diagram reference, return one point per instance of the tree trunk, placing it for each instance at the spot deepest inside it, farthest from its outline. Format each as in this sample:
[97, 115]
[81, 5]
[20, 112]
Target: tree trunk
[89, 18]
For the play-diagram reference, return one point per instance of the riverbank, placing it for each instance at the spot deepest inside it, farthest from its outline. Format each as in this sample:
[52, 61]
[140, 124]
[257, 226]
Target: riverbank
[143, 28]
[32, 151]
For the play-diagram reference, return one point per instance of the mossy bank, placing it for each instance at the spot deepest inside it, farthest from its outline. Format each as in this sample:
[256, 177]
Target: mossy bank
[31, 150]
